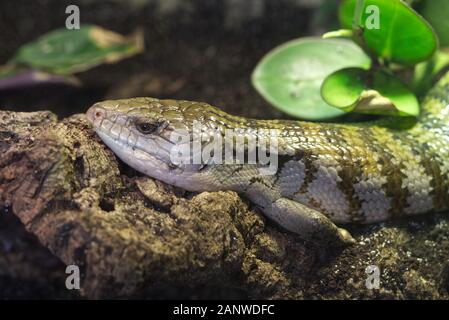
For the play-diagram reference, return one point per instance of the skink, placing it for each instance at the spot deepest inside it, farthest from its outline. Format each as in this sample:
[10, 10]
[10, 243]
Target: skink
[326, 174]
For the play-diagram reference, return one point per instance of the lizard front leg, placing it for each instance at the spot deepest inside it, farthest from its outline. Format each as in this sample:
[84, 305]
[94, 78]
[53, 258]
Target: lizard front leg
[308, 223]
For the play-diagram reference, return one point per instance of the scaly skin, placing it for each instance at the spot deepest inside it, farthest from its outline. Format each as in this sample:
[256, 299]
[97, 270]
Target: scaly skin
[361, 173]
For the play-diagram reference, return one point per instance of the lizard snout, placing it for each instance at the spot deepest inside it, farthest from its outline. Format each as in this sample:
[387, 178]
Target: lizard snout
[95, 114]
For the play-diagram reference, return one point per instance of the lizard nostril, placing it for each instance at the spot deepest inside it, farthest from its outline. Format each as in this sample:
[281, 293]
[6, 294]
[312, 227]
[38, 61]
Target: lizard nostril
[95, 113]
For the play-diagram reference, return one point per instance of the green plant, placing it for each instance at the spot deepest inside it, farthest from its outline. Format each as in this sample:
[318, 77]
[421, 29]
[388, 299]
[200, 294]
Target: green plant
[388, 56]
[58, 55]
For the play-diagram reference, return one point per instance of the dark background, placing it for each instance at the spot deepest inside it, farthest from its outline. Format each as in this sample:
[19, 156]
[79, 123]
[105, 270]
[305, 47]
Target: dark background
[194, 49]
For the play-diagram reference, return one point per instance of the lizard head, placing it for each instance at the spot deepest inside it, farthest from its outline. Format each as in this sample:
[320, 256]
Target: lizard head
[155, 136]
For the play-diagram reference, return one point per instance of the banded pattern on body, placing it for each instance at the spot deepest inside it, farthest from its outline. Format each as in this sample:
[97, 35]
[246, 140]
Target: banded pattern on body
[363, 173]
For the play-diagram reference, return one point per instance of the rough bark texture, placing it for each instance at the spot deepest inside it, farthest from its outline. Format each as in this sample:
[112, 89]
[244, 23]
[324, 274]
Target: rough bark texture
[133, 236]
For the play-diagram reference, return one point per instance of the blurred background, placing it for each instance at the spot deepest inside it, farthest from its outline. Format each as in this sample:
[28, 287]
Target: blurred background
[194, 49]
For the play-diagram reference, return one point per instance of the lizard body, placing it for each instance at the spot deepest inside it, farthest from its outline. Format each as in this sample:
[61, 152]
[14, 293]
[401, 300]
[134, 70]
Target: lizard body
[327, 172]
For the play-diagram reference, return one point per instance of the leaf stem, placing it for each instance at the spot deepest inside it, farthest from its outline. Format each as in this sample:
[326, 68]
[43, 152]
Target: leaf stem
[357, 24]
[358, 13]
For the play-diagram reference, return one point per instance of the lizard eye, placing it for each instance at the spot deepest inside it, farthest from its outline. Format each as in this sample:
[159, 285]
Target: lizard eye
[147, 127]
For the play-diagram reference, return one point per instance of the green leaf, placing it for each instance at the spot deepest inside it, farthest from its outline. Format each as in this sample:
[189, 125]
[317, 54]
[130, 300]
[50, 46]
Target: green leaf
[346, 13]
[427, 72]
[392, 30]
[362, 91]
[342, 33]
[290, 76]
[9, 70]
[437, 13]
[66, 51]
